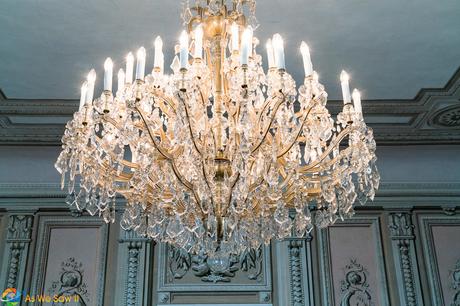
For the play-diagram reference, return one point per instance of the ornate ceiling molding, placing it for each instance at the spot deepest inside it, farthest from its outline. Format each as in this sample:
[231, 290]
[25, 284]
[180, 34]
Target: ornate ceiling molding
[432, 117]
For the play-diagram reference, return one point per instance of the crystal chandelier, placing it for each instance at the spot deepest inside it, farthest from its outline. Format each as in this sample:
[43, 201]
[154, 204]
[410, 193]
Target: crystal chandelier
[219, 156]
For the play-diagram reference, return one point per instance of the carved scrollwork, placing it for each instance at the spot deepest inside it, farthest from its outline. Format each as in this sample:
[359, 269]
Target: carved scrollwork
[179, 263]
[70, 283]
[355, 288]
[214, 270]
[455, 284]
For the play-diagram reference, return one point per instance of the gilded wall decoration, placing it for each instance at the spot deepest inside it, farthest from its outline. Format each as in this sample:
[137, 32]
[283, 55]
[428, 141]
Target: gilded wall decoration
[70, 284]
[354, 287]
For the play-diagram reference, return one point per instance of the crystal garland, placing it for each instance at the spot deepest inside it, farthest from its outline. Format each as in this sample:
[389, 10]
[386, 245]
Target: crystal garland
[218, 173]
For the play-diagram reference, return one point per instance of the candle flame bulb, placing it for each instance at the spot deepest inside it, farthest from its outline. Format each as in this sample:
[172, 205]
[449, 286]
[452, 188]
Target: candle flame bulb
[140, 67]
[108, 74]
[278, 46]
[344, 79]
[307, 65]
[129, 67]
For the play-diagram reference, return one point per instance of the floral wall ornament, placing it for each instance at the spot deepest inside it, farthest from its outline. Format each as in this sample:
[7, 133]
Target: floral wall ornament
[71, 283]
[355, 288]
[455, 285]
[214, 269]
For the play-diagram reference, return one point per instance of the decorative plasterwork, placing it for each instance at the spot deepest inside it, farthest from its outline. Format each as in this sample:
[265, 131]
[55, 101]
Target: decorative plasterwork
[402, 235]
[433, 116]
[18, 239]
[354, 285]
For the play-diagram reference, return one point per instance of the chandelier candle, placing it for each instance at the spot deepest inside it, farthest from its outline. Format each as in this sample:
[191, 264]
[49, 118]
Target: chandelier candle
[270, 54]
[246, 45]
[219, 156]
[278, 48]
[307, 65]
[235, 37]
[129, 68]
[357, 101]
[121, 80]
[158, 59]
[84, 88]
[90, 79]
[198, 42]
[140, 67]
[183, 50]
[108, 74]
[344, 82]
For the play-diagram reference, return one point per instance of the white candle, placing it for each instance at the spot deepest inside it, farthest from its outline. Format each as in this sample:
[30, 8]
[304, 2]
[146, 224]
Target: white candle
[235, 37]
[198, 42]
[162, 62]
[83, 90]
[121, 80]
[91, 79]
[315, 76]
[108, 74]
[344, 79]
[357, 101]
[307, 65]
[246, 45]
[140, 67]
[129, 67]
[158, 52]
[270, 54]
[278, 46]
[183, 50]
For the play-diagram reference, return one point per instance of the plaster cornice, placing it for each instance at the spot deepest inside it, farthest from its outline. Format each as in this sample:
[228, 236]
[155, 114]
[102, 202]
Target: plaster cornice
[432, 117]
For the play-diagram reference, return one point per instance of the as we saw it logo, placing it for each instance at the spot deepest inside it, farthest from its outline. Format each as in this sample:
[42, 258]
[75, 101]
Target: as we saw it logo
[11, 297]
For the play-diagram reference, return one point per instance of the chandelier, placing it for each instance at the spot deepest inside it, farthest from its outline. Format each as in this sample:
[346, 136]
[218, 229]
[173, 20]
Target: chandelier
[219, 156]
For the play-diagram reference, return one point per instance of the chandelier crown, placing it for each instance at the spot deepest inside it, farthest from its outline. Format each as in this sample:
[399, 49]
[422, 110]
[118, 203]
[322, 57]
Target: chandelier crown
[219, 156]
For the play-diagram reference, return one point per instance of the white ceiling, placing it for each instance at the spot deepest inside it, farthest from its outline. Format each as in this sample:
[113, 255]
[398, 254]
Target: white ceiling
[392, 48]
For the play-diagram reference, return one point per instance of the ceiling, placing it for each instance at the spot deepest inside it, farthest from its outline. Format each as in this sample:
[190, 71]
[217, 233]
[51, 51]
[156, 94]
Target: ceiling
[391, 48]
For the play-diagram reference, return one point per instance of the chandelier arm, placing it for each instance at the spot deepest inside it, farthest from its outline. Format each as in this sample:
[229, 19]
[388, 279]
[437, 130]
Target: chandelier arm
[266, 104]
[286, 149]
[344, 133]
[183, 180]
[190, 125]
[275, 110]
[155, 144]
[167, 102]
[124, 162]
